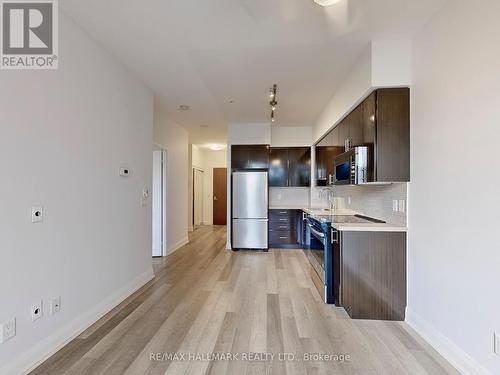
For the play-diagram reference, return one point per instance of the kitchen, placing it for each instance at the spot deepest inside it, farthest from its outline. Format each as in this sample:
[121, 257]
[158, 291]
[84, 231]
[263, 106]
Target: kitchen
[343, 201]
[289, 178]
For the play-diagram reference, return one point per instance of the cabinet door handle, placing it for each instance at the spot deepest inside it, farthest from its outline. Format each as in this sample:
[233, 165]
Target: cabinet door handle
[283, 238]
[282, 219]
[335, 239]
[282, 212]
[283, 226]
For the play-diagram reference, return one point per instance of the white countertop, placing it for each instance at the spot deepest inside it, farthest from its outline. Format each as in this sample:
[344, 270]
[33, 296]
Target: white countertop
[347, 227]
[369, 227]
[286, 208]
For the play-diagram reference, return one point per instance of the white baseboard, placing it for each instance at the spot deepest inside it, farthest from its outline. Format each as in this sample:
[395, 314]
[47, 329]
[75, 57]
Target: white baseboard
[50, 345]
[459, 359]
[177, 245]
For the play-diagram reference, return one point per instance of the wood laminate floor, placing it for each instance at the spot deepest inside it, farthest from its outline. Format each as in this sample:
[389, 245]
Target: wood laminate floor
[205, 299]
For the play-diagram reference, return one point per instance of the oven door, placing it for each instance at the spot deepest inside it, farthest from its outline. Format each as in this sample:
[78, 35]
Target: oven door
[316, 250]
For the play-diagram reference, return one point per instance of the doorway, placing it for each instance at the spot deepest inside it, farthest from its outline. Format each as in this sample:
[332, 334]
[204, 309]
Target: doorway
[159, 203]
[220, 196]
[198, 176]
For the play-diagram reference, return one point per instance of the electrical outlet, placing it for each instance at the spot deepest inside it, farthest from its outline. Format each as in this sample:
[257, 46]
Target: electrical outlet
[55, 305]
[496, 343]
[7, 330]
[402, 205]
[395, 205]
[36, 214]
[36, 311]
[349, 200]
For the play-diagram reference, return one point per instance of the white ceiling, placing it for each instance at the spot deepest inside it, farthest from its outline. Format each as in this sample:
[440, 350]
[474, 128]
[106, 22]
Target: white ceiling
[206, 53]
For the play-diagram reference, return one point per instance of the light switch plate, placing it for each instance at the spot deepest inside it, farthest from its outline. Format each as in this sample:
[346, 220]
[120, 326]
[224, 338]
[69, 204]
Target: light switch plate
[395, 205]
[7, 330]
[55, 305]
[402, 205]
[496, 338]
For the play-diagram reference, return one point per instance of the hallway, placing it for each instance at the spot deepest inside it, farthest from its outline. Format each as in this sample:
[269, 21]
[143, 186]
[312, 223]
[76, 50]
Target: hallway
[205, 299]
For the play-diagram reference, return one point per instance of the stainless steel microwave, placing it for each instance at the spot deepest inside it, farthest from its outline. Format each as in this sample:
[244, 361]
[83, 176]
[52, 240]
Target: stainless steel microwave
[353, 167]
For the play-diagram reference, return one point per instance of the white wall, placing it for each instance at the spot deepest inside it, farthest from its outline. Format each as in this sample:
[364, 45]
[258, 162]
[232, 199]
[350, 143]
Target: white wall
[391, 62]
[175, 140]
[248, 134]
[385, 63]
[355, 87]
[64, 135]
[197, 158]
[454, 252]
[289, 136]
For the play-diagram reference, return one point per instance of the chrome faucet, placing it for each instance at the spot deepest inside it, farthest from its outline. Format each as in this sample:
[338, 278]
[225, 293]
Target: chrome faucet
[327, 193]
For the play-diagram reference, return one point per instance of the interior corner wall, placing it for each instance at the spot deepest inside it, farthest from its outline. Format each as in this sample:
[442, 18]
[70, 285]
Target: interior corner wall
[454, 255]
[64, 135]
[174, 139]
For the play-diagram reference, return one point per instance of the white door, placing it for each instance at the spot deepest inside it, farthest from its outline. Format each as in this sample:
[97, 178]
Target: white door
[197, 197]
[159, 224]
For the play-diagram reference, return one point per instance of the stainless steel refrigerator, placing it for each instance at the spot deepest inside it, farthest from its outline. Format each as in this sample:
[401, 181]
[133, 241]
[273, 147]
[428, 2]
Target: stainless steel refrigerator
[250, 210]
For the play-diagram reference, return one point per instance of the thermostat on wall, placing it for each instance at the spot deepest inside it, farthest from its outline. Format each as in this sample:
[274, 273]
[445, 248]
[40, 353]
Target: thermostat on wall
[124, 172]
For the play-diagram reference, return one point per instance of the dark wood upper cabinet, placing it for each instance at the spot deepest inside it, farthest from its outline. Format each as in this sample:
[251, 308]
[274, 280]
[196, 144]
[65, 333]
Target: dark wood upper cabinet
[369, 107]
[343, 133]
[299, 166]
[250, 156]
[278, 167]
[356, 127]
[381, 122]
[392, 151]
[290, 166]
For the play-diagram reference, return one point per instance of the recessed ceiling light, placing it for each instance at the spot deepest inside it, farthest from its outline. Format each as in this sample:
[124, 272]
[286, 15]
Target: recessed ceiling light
[184, 107]
[215, 147]
[325, 3]
[231, 102]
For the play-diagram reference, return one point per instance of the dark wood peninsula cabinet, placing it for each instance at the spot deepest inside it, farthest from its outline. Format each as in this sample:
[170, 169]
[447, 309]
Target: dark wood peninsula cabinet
[370, 274]
[381, 122]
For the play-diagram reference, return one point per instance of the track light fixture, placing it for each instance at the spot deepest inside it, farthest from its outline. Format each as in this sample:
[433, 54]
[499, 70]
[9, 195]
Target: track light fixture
[273, 103]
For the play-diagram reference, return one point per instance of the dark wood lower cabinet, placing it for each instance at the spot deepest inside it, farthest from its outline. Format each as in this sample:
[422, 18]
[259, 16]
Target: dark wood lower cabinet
[284, 228]
[370, 275]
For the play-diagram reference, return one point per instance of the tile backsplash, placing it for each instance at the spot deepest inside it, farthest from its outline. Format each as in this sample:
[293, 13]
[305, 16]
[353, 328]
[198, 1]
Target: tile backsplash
[288, 197]
[371, 200]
